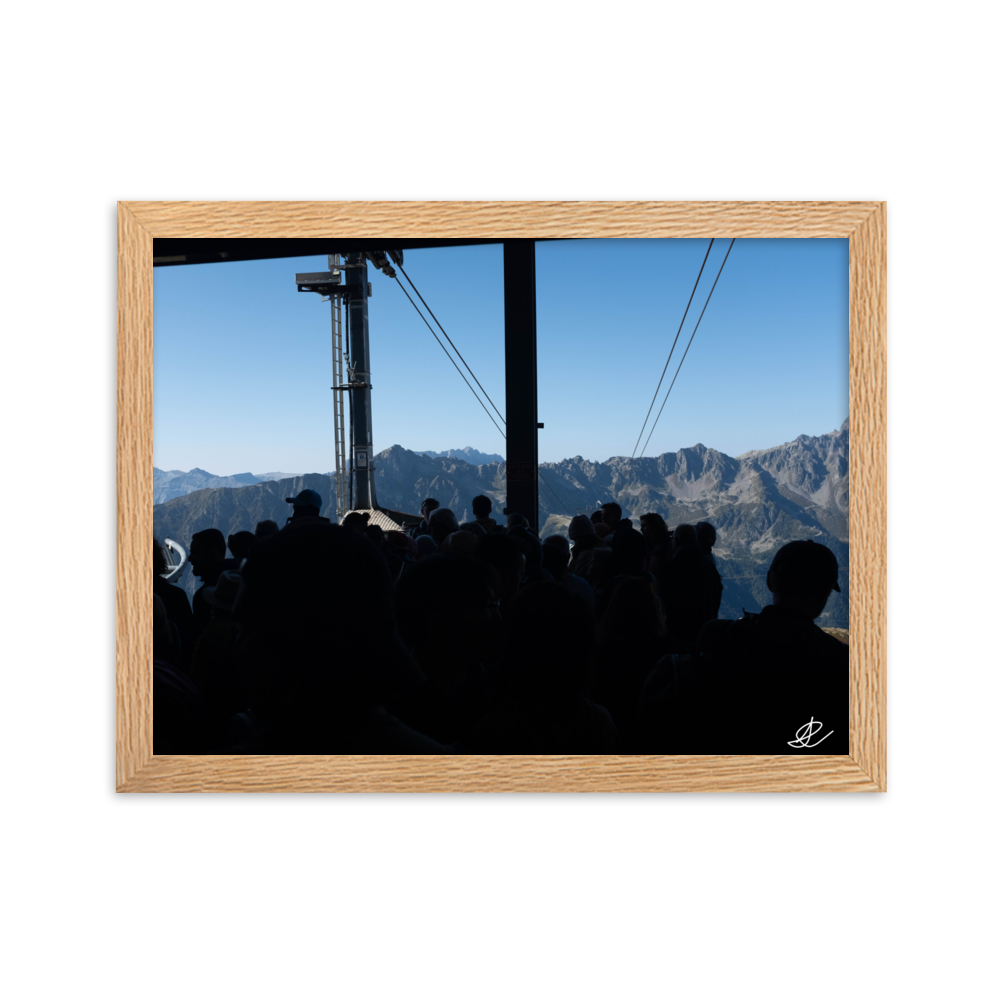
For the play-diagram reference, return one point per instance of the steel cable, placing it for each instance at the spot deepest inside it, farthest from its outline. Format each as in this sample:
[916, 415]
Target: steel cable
[553, 492]
[688, 348]
[456, 350]
[449, 357]
[671, 354]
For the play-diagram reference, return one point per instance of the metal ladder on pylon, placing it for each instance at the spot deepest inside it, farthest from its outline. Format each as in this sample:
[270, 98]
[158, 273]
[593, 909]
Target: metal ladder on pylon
[340, 450]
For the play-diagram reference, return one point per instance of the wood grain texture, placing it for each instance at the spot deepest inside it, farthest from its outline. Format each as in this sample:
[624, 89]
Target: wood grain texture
[867, 499]
[135, 498]
[500, 774]
[863, 223]
[507, 220]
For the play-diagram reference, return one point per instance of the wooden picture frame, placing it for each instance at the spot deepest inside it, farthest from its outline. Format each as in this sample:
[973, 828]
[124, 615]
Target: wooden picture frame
[862, 223]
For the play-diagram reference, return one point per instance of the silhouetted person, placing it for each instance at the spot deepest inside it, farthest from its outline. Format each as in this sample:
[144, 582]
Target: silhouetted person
[776, 683]
[442, 523]
[482, 507]
[628, 558]
[555, 557]
[426, 509]
[166, 638]
[375, 535]
[629, 549]
[596, 566]
[240, 545]
[683, 536]
[705, 533]
[530, 545]
[400, 552]
[180, 725]
[357, 521]
[213, 663]
[425, 545]
[555, 560]
[687, 590]
[207, 555]
[515, 520]
[583, 535]
[265, 529]
[658, 541]
[462, 543]
[319, 645]
[506, 557]
[611, 515]
[177, 606]
[305, 509]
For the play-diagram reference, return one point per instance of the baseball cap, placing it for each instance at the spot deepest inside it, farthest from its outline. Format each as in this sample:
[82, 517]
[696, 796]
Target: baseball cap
[307, 498]
[804, 562]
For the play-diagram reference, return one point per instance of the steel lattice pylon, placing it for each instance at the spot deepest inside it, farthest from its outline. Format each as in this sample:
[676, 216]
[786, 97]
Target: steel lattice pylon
[340, 450]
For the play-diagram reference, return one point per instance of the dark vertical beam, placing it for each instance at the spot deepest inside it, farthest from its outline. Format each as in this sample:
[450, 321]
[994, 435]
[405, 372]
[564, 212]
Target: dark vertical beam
[520, 357]
[362, 452]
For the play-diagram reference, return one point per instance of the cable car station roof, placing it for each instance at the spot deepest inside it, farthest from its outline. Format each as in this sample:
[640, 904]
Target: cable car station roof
[169, 253]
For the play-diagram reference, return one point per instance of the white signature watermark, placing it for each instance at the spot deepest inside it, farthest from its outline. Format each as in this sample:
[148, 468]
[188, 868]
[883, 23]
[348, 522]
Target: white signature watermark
[806, 732]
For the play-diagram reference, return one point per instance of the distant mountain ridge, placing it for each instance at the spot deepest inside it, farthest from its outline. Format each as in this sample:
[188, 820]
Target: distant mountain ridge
[469, 455]
[757, 501]
[169, 485]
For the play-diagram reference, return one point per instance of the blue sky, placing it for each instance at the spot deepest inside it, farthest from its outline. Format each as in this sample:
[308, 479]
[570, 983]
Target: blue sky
[242, 363]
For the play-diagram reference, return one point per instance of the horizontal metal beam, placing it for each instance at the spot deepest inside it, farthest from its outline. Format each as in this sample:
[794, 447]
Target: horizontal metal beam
[171, 253]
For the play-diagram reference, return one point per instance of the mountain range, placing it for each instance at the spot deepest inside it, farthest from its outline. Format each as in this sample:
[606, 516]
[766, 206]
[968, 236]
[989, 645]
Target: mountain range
[469, 455]
[169, 485]
[176, 483]
[757, 501]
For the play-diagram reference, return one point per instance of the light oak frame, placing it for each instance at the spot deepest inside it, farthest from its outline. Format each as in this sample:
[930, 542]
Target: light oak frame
[862, 223]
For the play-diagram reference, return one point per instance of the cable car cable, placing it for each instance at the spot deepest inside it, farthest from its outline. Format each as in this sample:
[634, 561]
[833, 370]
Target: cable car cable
[553, 492]
[442, 329]
[450, 358]
[686, 349]
[671, 354]
[471, 372]
[459, 370]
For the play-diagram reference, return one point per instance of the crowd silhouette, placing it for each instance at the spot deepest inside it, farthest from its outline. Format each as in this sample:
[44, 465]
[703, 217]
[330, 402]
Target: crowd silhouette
[481, 638]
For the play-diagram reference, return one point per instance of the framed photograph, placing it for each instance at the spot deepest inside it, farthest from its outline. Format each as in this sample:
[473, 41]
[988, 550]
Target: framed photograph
[861, 224]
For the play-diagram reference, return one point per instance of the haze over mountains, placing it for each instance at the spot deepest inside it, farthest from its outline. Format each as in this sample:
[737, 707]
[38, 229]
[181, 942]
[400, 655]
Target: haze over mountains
[469, 455]
[757, 501]
[168, 485]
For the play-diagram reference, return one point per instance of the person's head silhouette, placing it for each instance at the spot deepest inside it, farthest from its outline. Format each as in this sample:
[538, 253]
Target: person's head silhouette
[802, 576]
[306, 504]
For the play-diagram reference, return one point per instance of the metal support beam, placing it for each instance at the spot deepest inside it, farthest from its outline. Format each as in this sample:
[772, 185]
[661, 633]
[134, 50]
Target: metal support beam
[520, 357]
[362, 452]
[171, 253]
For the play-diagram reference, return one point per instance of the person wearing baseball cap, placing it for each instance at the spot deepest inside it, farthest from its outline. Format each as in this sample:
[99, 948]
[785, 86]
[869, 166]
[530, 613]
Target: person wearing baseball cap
[803, 574]
[305, 509]
[776, 683]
